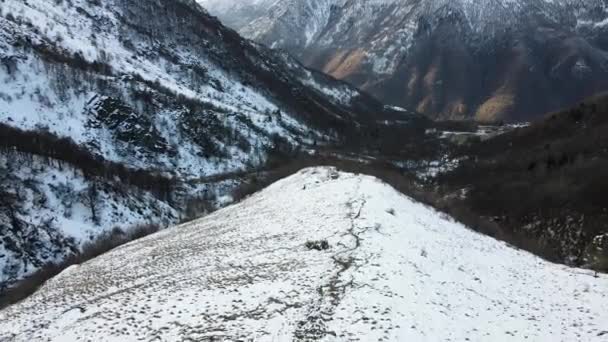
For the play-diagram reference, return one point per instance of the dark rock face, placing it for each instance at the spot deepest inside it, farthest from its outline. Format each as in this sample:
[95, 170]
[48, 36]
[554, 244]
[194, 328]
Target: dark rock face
[515, 77]
[492, 61]
[127, 126]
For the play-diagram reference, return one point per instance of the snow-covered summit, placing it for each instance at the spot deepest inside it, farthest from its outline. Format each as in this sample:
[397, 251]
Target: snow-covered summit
[480, 14]
[321, 255]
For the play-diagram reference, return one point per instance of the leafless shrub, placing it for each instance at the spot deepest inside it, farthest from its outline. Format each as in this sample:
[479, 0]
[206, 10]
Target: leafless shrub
[317, 245]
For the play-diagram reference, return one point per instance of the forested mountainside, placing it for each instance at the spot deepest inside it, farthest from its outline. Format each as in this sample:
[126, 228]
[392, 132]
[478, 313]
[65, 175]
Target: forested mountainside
[505, 60]
[113, 114]
[543, 187]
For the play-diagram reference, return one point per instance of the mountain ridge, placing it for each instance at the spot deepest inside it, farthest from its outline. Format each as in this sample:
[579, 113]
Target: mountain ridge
[378, 259]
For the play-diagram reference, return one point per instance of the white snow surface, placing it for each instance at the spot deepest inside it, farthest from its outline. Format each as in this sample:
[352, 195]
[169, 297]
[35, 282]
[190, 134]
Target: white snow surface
[395, 270]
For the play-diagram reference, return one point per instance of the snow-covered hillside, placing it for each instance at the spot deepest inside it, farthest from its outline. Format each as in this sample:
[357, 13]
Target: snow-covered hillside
[133, 87]
[56, 209]
[446, 58]
[176, 94]
[321, 255]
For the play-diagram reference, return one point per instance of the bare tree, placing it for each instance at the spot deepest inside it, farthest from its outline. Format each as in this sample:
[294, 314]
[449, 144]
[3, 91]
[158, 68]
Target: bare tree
[91, 197]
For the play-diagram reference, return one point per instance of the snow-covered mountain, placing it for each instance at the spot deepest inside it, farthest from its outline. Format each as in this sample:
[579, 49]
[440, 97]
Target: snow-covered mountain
[321, 255]
[157, 92]
[491, 60]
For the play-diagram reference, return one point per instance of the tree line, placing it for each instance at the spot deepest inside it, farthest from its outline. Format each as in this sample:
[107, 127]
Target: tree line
[58, 151]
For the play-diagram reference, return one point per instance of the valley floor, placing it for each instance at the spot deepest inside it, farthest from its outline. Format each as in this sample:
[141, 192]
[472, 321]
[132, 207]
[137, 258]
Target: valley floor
[321, 255]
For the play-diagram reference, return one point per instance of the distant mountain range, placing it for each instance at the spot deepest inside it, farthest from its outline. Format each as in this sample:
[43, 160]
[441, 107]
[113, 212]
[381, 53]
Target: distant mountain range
[499, 60]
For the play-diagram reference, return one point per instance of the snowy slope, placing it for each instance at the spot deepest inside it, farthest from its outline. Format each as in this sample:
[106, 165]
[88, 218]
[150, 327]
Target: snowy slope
[446, 58]
[176, 94]
[138, 63]
[53, 217]
[132, 86]
[394, 270]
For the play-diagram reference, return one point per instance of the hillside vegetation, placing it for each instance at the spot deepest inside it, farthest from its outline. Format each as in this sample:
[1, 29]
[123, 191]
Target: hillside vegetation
[545, 183]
